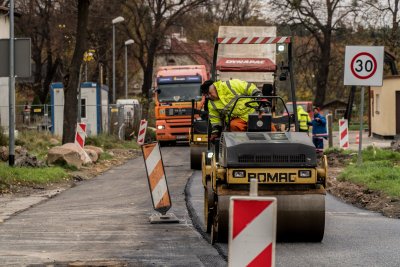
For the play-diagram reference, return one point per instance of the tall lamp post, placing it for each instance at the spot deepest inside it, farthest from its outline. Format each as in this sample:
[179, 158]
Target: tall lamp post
[114, 21]
[128, 42]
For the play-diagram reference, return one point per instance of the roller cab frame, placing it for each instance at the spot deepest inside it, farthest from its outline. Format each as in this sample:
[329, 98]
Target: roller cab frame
[284, 163]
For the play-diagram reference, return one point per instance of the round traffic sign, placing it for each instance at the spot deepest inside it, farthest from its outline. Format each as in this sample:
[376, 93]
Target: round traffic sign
[363, 65]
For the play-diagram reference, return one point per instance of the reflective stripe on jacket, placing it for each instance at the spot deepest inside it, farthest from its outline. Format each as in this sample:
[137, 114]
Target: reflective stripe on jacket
[228, 92]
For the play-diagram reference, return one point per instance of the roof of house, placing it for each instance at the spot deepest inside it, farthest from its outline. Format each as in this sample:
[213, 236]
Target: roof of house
[334, 102]
[201, 53]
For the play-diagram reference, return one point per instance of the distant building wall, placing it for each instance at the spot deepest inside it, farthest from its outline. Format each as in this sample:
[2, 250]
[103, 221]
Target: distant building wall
[4, 33]
[383, 107]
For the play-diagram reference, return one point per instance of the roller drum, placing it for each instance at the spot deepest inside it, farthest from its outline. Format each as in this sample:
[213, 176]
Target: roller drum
[300, 218]
[195, 156]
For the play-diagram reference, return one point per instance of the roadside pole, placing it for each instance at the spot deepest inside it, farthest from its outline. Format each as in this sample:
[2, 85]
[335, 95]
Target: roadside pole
[11, 98]
[363, 65]
[330, 135]
[359, 160]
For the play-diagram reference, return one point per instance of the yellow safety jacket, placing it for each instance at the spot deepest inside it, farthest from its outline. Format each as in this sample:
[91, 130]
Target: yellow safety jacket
[228, 92]
[303, 118]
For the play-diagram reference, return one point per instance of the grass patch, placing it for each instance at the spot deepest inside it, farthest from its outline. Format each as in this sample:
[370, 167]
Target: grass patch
[380, 170]
[37, 143]
[383, 175]
[105, 156]
[28, 176]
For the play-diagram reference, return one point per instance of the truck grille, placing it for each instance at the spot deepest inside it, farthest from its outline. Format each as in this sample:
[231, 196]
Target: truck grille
[299, 158]
[178, 111]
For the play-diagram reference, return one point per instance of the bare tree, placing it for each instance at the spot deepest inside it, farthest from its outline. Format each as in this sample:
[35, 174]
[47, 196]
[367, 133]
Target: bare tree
[147, 24]
[320, 19]
[71, 79]
[36, 22]
[388, 15]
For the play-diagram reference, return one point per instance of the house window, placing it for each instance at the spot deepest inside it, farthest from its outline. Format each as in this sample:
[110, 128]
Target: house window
[377, 107]
[83, 108]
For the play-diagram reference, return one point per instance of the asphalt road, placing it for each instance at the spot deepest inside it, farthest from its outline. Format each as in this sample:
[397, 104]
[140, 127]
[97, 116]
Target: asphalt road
[353, 237]
[104, 222]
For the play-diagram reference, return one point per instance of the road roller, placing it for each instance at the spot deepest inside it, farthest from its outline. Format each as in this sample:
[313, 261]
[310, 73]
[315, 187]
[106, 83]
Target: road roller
[286, 166]
[198, 136]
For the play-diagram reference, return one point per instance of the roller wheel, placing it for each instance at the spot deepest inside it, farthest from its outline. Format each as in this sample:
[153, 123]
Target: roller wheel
[208, 206]
[195, 157]
[220, 226]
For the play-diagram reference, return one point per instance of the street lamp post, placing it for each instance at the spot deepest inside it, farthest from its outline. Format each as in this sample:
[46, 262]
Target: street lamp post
[114, 21]
[128, 42]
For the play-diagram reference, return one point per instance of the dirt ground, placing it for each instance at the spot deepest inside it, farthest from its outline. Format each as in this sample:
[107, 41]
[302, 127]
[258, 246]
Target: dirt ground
[358, 195]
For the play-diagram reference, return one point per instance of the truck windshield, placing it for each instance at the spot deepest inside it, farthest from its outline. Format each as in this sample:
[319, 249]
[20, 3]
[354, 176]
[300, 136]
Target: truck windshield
[179, 92]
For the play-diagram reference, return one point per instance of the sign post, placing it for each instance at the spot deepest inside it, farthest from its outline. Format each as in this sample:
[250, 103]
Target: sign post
[363, 65]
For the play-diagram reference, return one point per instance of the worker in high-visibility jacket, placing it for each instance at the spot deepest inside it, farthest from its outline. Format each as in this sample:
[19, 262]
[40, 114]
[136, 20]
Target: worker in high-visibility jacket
[303, 118]
[221, 98]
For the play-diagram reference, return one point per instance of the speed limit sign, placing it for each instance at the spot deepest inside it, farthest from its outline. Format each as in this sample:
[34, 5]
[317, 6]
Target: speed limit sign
[363, 65]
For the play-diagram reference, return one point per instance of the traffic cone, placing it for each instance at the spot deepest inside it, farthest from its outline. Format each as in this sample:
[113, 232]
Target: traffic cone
[357, 138]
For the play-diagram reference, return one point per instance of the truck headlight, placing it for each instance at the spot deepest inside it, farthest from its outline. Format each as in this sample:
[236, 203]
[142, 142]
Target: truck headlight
[239, 174]
[304, 173]
[198, 139]
[161, 127]
[210, 154]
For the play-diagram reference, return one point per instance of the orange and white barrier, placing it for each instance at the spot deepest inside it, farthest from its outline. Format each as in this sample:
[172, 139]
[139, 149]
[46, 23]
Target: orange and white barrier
[358, 138]
[252, 231]
[156, 177]
[80, 134]
[343, 134]
[142, 132]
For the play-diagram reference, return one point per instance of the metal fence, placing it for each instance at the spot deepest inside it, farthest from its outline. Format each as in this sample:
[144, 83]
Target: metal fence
[120, 120]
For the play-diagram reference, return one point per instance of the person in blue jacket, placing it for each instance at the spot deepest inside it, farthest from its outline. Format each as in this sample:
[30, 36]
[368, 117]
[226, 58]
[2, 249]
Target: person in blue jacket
[318, 130]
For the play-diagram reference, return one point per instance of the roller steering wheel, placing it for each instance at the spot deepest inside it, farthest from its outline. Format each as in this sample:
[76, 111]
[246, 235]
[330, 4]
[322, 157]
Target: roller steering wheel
[257, 104]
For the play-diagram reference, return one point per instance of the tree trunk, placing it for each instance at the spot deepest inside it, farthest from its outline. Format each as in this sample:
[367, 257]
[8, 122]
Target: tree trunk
[323, 72]
[71, 80]
[148, 79]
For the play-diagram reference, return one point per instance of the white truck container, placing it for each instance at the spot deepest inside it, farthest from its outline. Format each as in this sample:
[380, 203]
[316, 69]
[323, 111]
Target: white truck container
[253, 62]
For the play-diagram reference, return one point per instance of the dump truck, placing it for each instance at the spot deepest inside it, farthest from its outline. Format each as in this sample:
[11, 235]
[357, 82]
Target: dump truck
[284, 162]
[176, 87]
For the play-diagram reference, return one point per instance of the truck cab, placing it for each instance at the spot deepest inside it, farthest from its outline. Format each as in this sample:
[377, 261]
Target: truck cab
[176, 87]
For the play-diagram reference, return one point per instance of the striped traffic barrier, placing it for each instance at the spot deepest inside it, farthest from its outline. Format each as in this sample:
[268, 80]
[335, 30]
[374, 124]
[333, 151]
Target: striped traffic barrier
[157, 184]
[343, 134]
[252, 231]
[358, 138]
[142, 132]
[80, 134]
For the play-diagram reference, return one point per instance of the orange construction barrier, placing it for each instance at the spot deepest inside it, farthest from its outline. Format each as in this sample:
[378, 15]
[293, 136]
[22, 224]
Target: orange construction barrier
[157, 183]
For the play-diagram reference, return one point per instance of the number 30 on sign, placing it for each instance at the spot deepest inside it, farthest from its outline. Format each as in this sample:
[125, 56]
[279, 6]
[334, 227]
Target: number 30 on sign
[363, 65]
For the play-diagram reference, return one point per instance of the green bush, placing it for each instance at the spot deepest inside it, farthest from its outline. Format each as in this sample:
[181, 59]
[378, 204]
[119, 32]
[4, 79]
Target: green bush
[3, 138]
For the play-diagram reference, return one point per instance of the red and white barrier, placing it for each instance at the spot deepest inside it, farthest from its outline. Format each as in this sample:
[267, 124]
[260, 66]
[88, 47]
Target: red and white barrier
[252, 231]
[142, 132]
[343, 134]
[358, 138]
[80, 134]
[157, 184]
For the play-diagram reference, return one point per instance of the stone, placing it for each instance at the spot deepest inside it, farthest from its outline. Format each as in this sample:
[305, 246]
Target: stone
[54, 141]
[61, 155]
[98, 150]
[92, 154]
[75, 147]
[4, 153]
